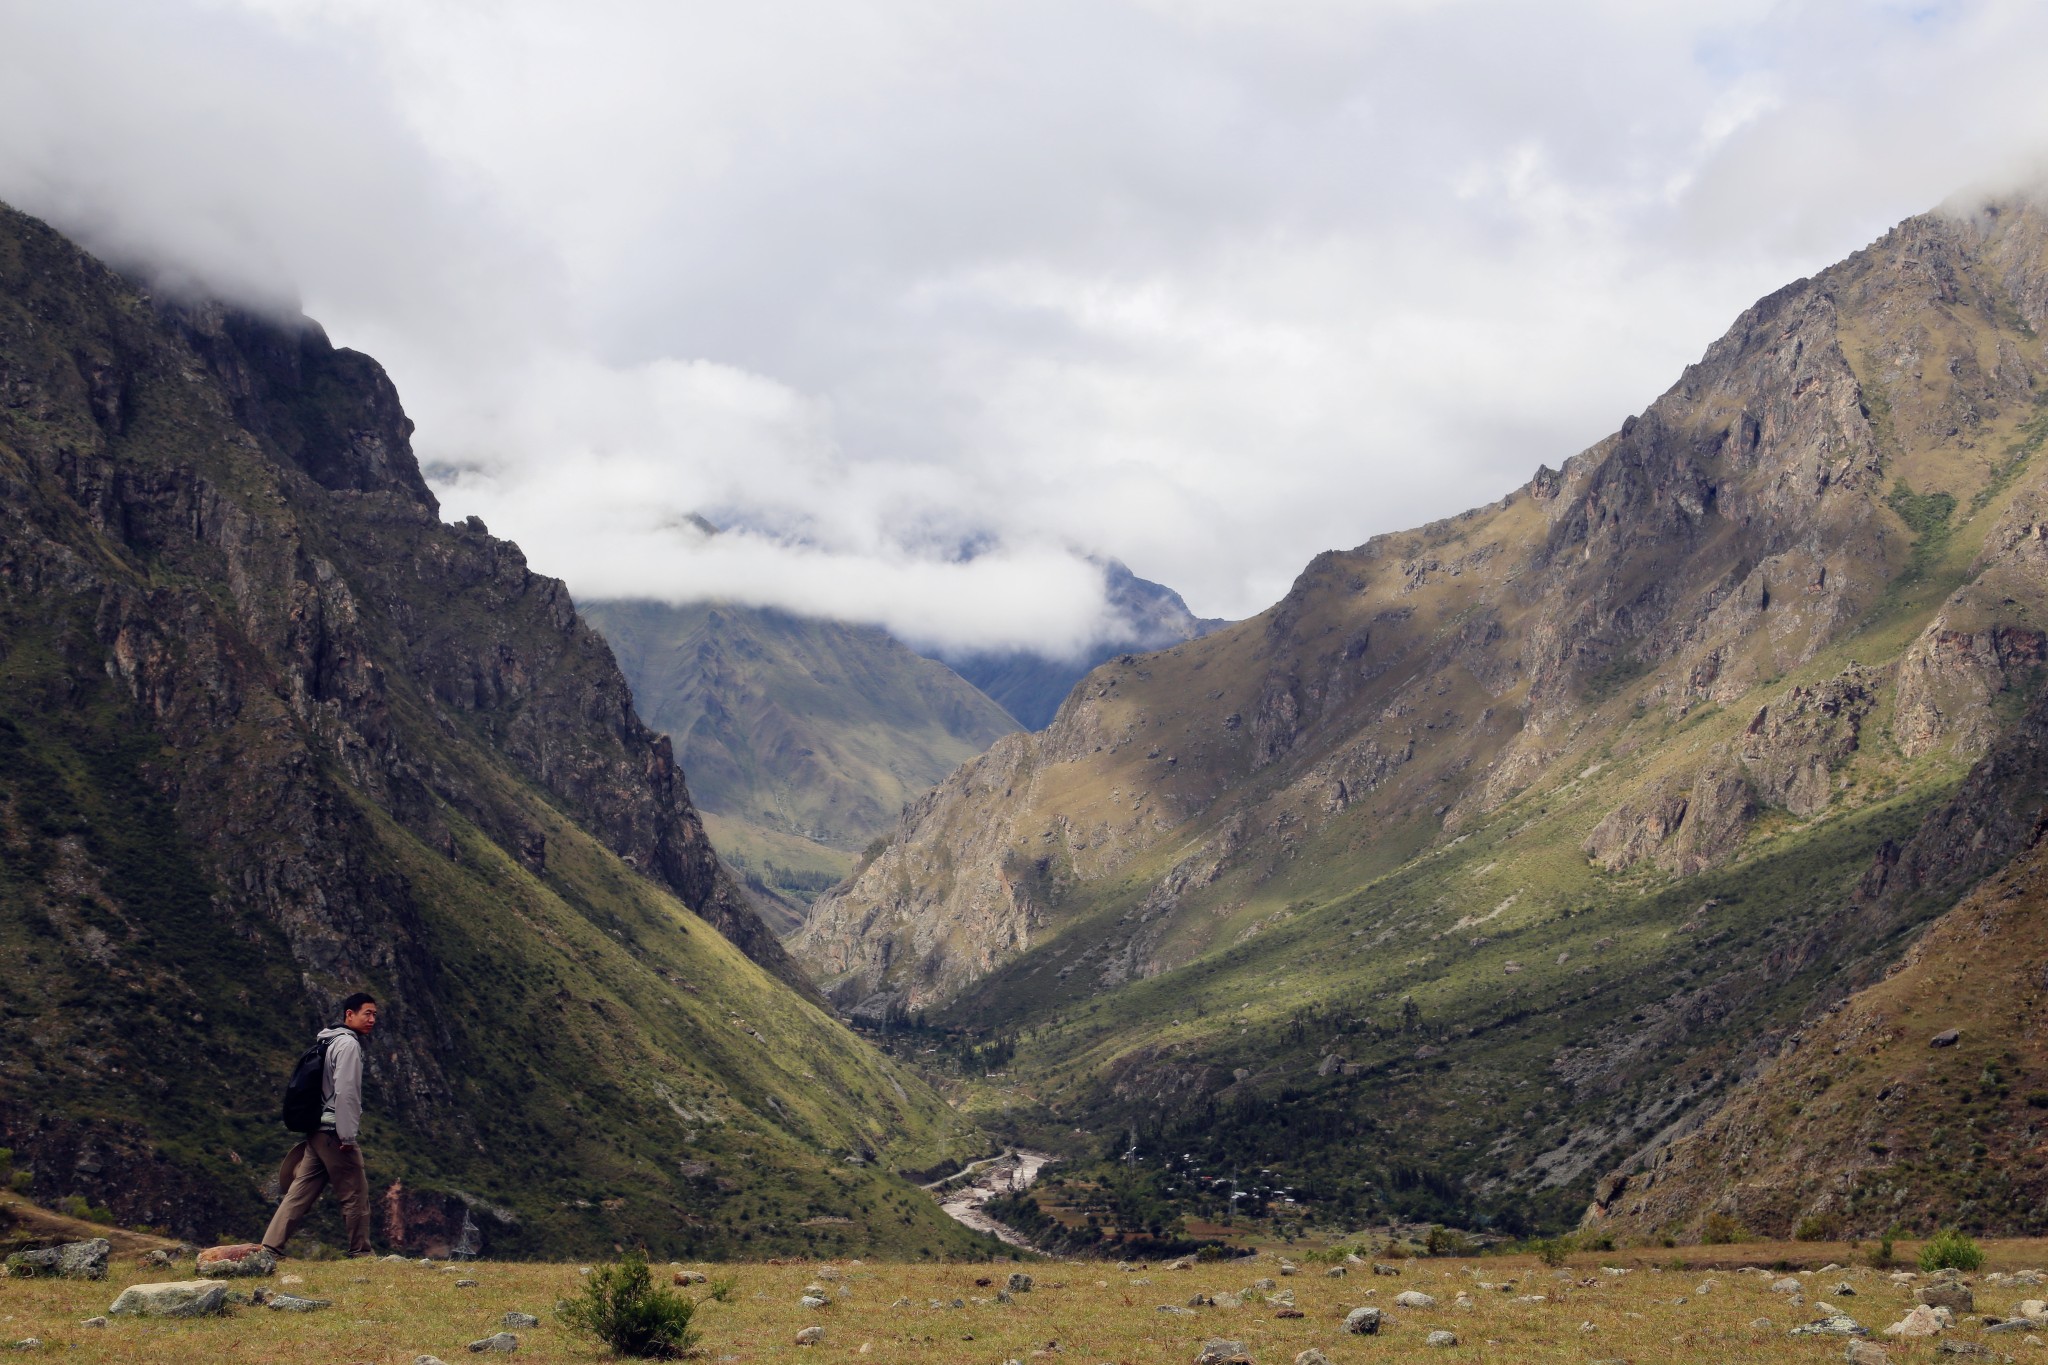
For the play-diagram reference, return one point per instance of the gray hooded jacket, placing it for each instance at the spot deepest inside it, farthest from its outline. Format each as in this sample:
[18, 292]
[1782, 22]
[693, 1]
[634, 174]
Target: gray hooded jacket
[342, 1087]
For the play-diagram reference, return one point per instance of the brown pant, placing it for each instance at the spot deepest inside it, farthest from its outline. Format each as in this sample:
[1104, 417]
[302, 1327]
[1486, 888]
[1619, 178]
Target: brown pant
[308, 1169]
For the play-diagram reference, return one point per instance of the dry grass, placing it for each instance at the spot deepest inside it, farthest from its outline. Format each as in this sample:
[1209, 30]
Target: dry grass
[390, 1313]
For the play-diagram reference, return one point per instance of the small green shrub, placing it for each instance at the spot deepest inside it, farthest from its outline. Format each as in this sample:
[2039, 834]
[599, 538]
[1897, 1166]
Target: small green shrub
[1951, 1249]
[1552, 1251]
[22, 1181]
[1444, 1241]
[78, 1206]
[1599, 1242]
[1720, 1230]
[621, 1307]
[1815, 1227]
[722, 1290]
[2037, 1099]
[1882, 1256]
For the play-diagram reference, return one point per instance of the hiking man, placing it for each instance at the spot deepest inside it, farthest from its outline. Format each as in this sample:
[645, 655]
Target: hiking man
[329, 1155]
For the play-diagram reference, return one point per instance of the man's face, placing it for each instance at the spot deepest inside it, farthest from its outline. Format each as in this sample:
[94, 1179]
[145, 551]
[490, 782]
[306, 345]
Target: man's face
[361, 1020]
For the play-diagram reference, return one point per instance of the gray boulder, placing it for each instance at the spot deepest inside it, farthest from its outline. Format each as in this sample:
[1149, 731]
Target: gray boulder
[85, 1260]
[521, 1320]
[810, 1336]
[1223, 1351]
[1020, 1283]
[1312, 1356]
[1364, 1322]
[1833, 1325]
[1441, 1338]
[496, 1341]
[243, 1258]
[1948, 1294]
[292, 1303]
[173, 1299]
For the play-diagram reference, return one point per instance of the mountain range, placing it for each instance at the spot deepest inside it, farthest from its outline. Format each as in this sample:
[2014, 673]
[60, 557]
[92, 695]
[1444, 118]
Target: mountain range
[272, 731]
[1475, 875]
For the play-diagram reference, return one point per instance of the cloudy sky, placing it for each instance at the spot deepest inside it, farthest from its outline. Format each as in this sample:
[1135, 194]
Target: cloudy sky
[931, 301]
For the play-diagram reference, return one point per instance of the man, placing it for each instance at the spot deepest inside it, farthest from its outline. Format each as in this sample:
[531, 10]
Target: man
[331, 1156]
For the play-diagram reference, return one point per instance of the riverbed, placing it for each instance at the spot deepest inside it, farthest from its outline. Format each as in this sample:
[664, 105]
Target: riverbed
[1014, 1171]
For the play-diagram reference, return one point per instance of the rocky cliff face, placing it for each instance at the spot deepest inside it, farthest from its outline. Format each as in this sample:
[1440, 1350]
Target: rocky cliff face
[1589, 773]
[276, 733]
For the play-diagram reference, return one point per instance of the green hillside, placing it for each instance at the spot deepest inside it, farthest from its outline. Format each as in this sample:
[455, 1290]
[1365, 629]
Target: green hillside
[803, 738]
[270, 731]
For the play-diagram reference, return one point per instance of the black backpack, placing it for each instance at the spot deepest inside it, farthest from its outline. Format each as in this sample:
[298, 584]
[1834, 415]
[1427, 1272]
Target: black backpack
[305, 1094]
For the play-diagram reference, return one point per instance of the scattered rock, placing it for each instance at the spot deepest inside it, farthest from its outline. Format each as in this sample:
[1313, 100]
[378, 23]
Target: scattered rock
[240, 1258]
[1176, 1310]
[828, 1273]
[1289, 1268]
[292, 1303]
[1020, 1283]
[520, 1320]
[1335, 1272]
[691, 1277]
[1948, 1294]
[1833, 1325]
[496, 1341]
[2033, 1308]
[1948, 1037]
[1788, 1285]
[26, 1344]
[394, 1259]
[1441, 1338]
[1226, 1301]
[1220, 1351]
[1312, 1356]
[1921, 1322]
[94, 1322]
[291, 1279]
[1364, 1322]
[812, 1301]
[1265, 1285]
[1866, 1353]
[428, 1360]
[465, 1284]
[85, 1260]
[1964, 1348]
[810, 1336]
[1414, 1298]
[1760, 1324]
[1844, 1290]
[1379, 1269]
[173, 1299]
[157, 1259]
[1290, 1311]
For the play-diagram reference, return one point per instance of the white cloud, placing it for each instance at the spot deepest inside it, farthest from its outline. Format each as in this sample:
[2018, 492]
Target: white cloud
[934, 301]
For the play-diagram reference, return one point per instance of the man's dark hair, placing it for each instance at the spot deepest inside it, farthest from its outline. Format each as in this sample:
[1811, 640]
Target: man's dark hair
[357, 1001]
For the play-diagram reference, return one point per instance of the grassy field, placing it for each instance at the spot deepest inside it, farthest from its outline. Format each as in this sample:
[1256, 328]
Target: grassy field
[1081, 1311]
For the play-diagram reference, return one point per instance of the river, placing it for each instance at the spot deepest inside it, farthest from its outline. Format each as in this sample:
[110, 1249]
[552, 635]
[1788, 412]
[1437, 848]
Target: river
[1013, 1171]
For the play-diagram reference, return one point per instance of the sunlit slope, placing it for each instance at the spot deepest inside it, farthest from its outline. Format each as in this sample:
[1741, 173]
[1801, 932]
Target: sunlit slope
[1585, 774]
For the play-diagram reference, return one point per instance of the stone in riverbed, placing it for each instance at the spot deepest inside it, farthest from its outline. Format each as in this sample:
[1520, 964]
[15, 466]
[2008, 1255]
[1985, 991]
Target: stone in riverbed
[85, 1260]
[240, 1258]
[496, 1341]
[173, 1299]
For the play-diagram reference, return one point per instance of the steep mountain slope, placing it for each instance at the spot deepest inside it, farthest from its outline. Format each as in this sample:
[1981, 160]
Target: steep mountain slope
[802, 737]
[270, 731]
[1869, 1116]
[1498, 845]
[1031, 686]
